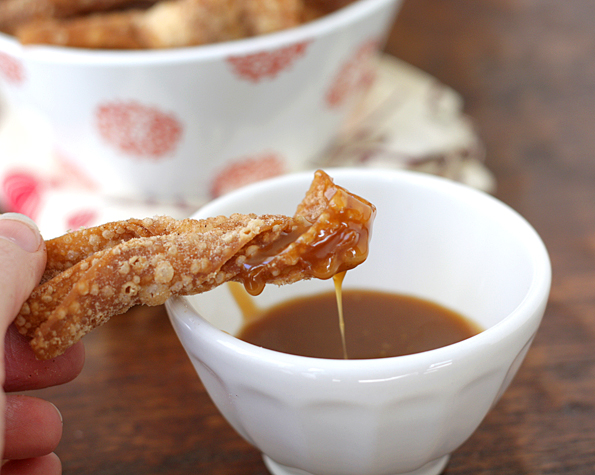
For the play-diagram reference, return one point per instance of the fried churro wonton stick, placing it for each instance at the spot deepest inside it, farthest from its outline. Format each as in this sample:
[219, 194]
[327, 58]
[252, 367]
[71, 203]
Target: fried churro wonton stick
[167, 24]
[94, 274]
[15, 13]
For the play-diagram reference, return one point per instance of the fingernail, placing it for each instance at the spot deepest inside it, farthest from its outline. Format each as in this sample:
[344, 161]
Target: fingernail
[58, 411]
[20, 230]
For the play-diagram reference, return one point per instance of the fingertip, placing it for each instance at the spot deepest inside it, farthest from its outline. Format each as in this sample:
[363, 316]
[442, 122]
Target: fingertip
[20, 230]
[76, 354]
[25, 372]
[22, 260]
[33, 427]
[49, 464]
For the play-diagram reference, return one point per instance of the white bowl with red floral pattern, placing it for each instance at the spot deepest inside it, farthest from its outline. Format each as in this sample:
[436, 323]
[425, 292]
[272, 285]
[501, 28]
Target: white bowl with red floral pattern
[190, 124]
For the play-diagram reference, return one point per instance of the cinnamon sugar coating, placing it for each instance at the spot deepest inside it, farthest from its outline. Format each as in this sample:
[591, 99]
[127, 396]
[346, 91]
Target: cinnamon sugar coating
[96, 273]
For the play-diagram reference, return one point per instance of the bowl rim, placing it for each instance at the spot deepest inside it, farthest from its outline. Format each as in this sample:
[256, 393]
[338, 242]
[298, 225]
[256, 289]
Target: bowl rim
[334, 21]
[529, 310]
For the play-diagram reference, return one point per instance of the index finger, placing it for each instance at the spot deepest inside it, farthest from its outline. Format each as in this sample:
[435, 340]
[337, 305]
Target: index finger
[25, 372]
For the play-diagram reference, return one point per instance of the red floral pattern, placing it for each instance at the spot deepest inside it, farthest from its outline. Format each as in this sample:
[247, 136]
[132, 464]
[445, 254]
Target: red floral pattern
[245, 171]
[11, 69]
[138, 130]
[22, 193]
[80, 219]
[267, 64]
[70, 174]
[354, 75]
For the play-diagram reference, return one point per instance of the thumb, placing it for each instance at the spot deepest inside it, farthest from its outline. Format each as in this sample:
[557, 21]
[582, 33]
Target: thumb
[22, 261]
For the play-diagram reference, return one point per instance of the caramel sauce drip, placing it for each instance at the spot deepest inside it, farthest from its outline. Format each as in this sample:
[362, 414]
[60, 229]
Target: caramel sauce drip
[245, 302]
[338, 278]
[335, 241]
[330, 236]
[252, 313]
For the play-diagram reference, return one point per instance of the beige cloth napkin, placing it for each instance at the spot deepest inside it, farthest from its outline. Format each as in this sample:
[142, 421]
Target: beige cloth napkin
[409, 120]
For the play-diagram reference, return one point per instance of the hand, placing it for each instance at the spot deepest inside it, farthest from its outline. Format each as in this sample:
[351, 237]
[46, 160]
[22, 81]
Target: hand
[32, 427]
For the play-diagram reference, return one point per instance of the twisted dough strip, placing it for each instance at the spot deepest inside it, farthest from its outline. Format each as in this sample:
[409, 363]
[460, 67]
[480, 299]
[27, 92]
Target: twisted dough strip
[14, 13]
[94, 274]
[167, 24]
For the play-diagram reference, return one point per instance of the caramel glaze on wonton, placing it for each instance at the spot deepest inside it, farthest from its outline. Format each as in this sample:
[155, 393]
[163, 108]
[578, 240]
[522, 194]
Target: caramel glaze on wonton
[96, 273]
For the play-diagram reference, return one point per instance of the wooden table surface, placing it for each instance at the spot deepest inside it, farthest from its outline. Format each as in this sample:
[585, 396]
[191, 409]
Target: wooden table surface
[526, 69]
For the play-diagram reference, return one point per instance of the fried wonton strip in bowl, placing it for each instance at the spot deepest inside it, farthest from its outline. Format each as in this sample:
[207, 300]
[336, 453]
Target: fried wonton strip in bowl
[14, 13]
[167, 24]
[96, 273]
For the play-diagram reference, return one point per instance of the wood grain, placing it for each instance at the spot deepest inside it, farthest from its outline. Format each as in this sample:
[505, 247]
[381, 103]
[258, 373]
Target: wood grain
[527, 74]
[526, 69]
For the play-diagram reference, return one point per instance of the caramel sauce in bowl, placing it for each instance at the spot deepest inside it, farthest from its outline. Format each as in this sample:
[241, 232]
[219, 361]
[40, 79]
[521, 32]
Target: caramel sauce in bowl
[433, 239]
[367, 324]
